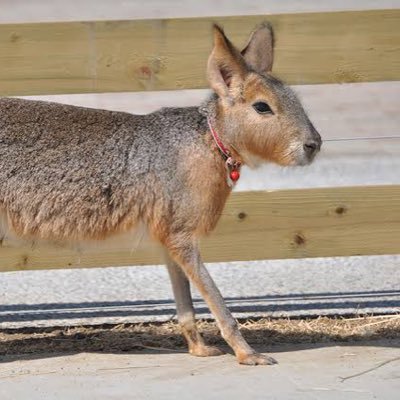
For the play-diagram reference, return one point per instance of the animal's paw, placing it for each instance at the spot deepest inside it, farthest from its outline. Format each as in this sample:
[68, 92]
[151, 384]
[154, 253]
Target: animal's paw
[205, 351]
[256, 359]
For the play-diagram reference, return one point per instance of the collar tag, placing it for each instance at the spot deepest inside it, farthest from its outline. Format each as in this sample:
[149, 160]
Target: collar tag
[233, 168]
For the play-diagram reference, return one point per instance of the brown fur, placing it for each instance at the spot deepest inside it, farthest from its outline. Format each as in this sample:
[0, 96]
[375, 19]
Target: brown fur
[74, 174]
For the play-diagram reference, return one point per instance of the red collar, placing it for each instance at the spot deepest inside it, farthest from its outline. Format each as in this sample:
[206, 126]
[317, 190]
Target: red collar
[232, 166]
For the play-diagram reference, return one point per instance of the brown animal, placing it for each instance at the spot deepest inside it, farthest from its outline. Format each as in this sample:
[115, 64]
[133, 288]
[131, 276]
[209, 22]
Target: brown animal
[75, 174]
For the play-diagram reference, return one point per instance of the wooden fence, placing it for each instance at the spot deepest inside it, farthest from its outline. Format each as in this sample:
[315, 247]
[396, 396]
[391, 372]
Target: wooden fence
[110, 56]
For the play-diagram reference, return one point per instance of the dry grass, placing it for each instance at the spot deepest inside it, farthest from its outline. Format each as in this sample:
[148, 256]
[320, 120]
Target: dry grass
[166, 336]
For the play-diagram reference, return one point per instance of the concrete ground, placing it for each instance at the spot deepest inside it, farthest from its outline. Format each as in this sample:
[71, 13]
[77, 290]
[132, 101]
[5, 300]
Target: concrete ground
[84, 10]
[279, 288]
[364, 372]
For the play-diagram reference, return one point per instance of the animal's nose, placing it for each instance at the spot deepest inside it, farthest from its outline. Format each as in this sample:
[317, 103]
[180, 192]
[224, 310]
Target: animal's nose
[312, 142]
[311, 147]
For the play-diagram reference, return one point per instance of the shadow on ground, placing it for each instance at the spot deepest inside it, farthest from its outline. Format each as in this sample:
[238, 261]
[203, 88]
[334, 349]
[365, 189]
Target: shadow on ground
[342, 303]
[19, 344]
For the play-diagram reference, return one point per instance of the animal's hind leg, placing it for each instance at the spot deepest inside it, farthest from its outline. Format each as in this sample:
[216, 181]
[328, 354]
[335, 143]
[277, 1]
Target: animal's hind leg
[185, 312]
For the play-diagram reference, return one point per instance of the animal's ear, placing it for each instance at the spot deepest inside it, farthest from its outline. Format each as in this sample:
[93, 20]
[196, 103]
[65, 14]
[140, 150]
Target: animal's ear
[259, 52]
[226, 67]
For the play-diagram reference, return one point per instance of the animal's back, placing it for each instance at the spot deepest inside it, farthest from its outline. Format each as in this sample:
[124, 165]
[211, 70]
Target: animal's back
[72, 172]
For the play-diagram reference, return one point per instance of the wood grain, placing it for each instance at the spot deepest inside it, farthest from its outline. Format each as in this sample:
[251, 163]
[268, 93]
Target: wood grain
[117, 56]
[255, 225]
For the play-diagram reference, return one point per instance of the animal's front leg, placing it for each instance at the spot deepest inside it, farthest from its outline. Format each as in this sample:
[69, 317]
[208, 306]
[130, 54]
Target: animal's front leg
[188, 257]
[185, 313]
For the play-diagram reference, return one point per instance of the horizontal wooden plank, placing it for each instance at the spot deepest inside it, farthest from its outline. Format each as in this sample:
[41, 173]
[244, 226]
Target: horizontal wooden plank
[110, 56]
[255, 225]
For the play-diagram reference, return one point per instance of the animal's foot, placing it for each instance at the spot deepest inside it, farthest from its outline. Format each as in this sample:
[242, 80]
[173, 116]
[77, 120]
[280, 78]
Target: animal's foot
[205, 351]
[256, 359]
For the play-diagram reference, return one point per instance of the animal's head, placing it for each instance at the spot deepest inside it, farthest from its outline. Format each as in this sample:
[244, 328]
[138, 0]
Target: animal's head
[258, 115]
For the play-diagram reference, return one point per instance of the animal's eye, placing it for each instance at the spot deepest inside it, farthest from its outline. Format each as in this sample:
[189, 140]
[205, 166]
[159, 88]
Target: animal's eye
[262, 108]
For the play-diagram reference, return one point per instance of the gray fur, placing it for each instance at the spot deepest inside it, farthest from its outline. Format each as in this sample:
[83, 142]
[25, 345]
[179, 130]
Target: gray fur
[53, 156]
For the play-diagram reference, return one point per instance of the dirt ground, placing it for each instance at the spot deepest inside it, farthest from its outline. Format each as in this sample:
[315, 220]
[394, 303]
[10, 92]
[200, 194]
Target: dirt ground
[167, 337]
